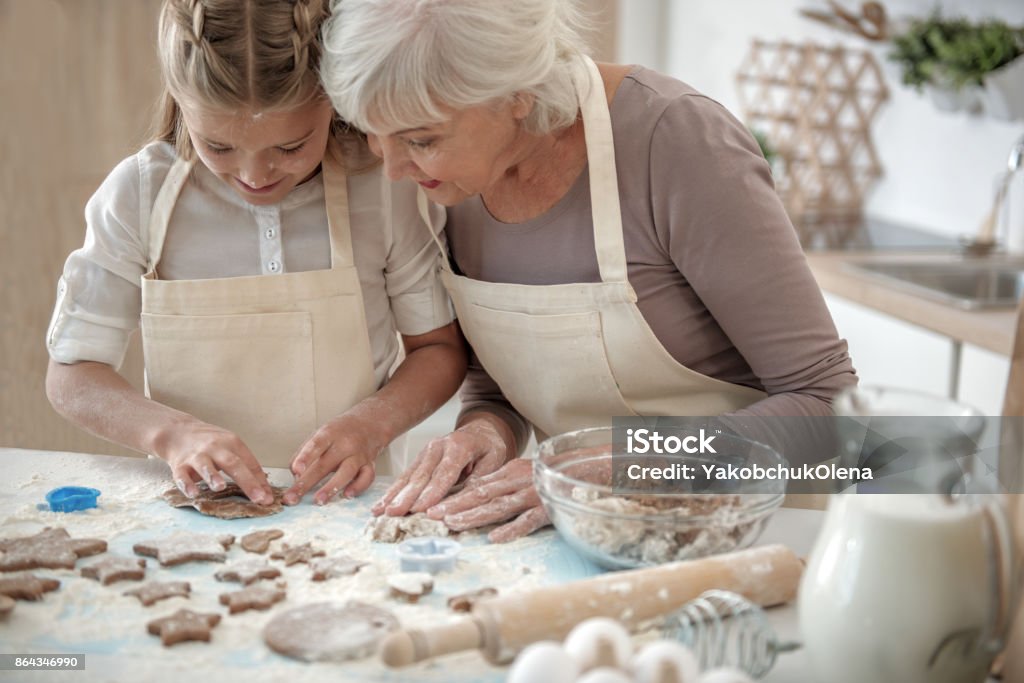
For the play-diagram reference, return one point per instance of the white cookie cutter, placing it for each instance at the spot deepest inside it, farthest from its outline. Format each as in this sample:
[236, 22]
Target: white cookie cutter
[428, 554]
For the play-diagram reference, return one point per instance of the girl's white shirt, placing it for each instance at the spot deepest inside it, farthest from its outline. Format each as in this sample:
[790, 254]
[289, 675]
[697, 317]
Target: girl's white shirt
[214, 233]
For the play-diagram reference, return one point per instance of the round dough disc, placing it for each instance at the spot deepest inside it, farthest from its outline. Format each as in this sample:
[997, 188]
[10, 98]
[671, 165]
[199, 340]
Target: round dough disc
[329, 631]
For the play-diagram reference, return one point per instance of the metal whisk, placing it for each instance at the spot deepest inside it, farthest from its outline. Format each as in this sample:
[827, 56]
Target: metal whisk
[726, 629]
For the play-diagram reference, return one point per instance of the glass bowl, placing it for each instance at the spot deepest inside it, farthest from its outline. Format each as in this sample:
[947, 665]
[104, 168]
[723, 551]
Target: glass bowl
[623, 524]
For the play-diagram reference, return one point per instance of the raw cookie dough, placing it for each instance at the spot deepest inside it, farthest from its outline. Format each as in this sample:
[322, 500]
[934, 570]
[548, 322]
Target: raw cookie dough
[6, 605]
[329, 631]
[50, 549]
[293, 554]
[183, 625]
[113, 568]
[386, 529]
[27, 587]
[253, 597]
[248, 571]
[149, 593]
[183, 546]
[622, 525]
[332, 567]
[410, 586]
[258, 541]
[228, 503]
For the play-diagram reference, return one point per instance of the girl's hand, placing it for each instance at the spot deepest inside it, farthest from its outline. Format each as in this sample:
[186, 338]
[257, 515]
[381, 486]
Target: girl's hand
[472, 450]
[197, 451]
[497, 497]
[346, 446]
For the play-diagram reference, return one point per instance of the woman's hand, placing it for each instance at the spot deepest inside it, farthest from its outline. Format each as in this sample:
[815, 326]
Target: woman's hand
[347, 446]
[475, 449]
[494, 498]
[198, 451]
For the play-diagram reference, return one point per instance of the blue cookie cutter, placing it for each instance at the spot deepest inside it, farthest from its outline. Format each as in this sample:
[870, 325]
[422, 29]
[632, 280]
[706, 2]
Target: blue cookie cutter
[72, 498]
[428, 554]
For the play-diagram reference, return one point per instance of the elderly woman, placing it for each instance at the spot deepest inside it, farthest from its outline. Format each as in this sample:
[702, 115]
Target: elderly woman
[617, 247]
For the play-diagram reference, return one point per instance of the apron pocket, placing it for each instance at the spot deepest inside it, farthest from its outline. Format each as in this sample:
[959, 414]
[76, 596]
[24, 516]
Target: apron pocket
[252, 374]
[552, 368]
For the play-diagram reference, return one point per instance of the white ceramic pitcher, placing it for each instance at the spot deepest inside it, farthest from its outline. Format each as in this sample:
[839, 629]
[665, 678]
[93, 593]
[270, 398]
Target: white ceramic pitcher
[905, 589]
[908, 587]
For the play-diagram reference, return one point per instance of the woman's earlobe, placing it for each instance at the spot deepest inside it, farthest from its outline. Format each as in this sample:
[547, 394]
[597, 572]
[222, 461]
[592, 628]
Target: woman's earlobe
[522, 104]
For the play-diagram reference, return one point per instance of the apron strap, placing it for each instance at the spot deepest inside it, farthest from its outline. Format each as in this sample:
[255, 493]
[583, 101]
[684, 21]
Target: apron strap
[163, 207]
[604, 187]
[423, 204]
[336, 196]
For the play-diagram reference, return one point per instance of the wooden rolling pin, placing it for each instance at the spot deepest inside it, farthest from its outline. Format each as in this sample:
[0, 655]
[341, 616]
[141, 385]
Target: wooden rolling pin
[503, 625]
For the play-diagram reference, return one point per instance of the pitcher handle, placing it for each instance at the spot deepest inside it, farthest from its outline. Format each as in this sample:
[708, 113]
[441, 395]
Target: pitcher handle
[1000, 543]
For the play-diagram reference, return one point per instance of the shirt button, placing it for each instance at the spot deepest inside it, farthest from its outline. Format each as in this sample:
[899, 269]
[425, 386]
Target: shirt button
[273, 266]
[270, 234]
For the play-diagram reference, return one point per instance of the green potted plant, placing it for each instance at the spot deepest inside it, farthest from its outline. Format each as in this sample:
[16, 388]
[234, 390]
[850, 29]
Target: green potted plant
[964, 64]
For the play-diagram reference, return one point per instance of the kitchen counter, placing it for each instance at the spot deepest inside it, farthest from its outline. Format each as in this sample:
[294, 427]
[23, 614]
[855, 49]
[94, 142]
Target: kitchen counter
[85, 617]
[988, 329]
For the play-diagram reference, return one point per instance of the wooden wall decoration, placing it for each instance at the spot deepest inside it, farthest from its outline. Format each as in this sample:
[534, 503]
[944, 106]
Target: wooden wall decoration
[815, 105]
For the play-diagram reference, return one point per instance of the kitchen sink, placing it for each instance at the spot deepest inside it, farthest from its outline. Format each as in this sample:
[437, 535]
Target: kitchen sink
[969, 284]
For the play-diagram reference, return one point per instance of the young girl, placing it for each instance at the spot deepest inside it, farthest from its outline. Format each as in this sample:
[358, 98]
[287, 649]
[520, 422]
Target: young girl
[269, 284]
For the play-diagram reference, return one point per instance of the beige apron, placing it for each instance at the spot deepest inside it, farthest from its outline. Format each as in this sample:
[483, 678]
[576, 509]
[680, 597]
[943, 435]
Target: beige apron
[270, 357]
[575, 355]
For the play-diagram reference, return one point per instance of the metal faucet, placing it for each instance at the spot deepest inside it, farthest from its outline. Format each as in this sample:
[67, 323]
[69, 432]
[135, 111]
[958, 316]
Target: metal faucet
[1016, 159]
[985, 242]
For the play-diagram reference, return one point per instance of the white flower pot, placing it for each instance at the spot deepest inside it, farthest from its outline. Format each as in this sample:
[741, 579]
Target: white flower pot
[1003, 96]
[967, 99]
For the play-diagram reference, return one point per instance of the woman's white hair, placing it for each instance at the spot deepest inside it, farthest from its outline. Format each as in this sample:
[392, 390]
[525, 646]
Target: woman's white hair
[399, 63]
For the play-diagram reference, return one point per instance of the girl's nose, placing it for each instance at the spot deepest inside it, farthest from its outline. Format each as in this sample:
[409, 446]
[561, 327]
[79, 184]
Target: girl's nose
[255, 173]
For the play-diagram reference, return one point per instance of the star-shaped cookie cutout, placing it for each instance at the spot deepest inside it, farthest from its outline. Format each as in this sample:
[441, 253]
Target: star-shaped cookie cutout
[253, 597]
[293, 554]
[228, 503]
[248, 571]
[183, 625]
[50, 548]
[27, 587]
[182, 547]
[149, 593]
[332, 567]
[259, 541]
[114, 568]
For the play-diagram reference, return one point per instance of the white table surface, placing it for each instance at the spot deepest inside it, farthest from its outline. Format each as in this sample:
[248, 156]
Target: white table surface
[130, 512]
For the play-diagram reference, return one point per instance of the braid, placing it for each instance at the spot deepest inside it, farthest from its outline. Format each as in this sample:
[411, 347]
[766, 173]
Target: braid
[307, 15]
[238, 54]
[198, 12]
